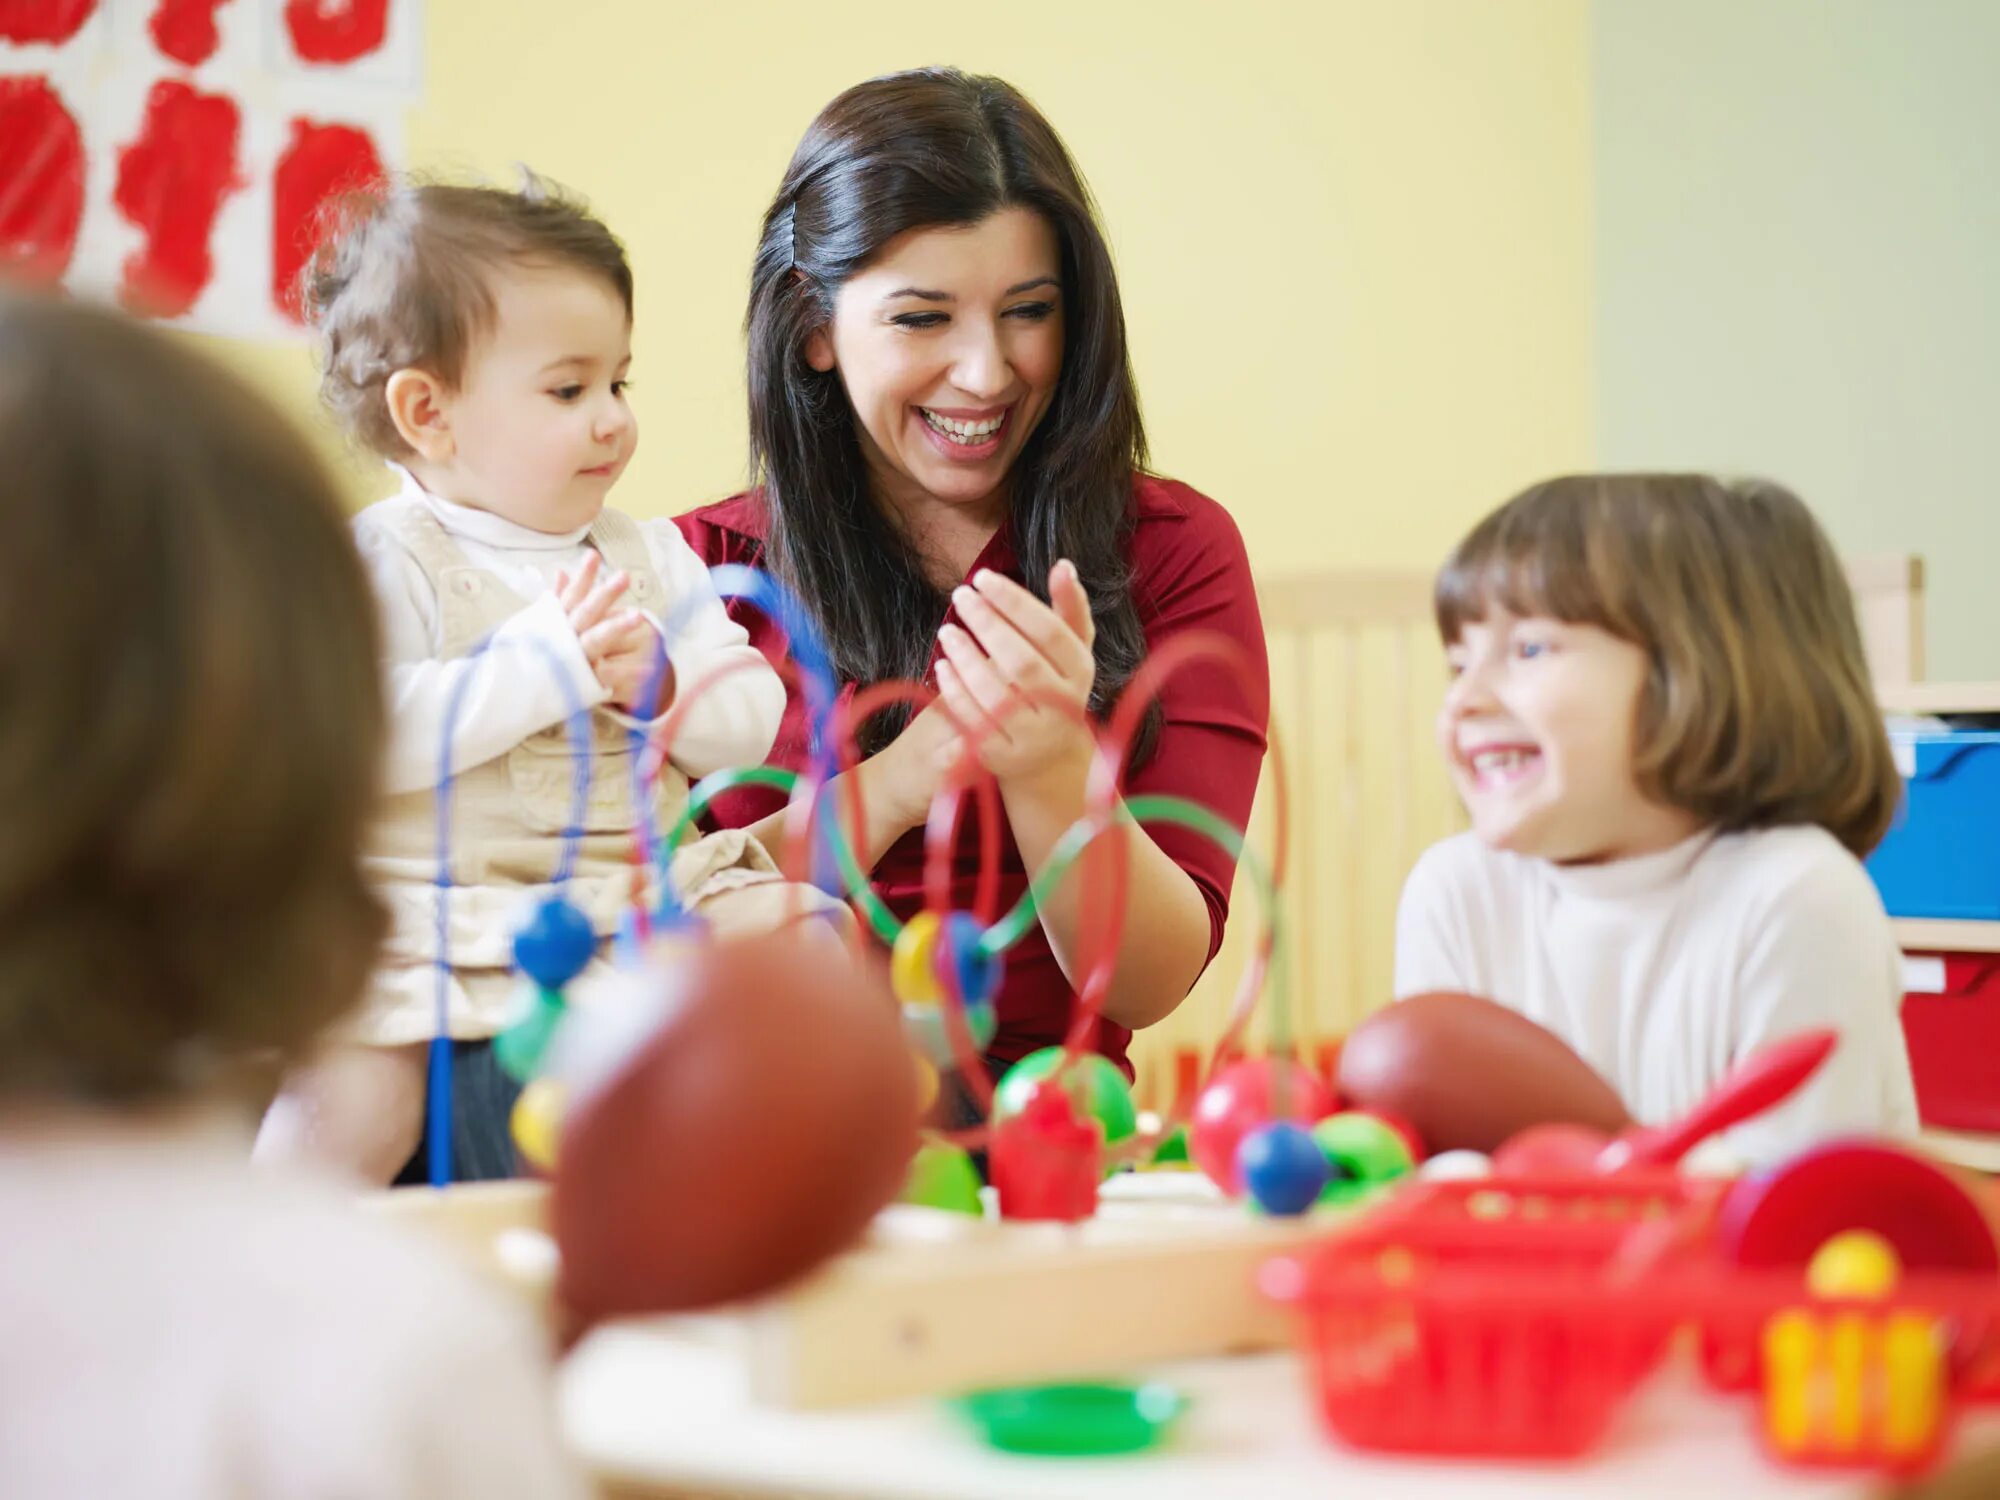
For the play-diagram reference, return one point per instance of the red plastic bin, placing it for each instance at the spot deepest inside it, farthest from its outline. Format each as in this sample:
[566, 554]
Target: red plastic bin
[1497, 1318]
[1951, 1021]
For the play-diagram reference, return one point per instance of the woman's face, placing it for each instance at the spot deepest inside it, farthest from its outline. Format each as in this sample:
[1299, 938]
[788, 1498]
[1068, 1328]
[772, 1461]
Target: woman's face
[949, 344]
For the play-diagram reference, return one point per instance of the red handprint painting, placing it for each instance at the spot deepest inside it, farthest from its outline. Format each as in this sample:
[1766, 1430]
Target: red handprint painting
[176, 155]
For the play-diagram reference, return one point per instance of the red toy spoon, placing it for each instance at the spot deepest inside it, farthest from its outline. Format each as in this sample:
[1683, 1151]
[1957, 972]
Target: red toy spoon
[1765, 1078]
[1761, 1080]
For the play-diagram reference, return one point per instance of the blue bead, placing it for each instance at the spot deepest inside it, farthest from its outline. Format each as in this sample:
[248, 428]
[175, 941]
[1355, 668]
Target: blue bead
[1282, 1166]
[978, 972]
[554, 944]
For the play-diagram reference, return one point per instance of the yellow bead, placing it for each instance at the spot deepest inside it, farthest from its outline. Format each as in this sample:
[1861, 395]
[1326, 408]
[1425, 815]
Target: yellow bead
[927, 1082]
[1856, 1263]
[536, 1122]
[913, 961]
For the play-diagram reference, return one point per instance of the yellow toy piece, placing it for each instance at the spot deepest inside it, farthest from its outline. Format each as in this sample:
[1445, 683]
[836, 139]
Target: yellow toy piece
[1913, 1384]
[1854, 1384]
[927, 1082]
[913, 961]
[1847, 1340]
[536, 1122]
[1856, 1263]
[1791, 1357]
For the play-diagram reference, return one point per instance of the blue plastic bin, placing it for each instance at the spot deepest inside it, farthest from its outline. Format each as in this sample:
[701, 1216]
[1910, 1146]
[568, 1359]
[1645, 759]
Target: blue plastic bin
[1942, 856]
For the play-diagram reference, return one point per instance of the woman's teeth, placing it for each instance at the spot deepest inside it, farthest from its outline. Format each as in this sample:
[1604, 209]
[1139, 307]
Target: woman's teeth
[966, 434]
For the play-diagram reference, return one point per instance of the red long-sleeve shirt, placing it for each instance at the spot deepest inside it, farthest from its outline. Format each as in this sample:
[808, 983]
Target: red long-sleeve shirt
[1189, 573]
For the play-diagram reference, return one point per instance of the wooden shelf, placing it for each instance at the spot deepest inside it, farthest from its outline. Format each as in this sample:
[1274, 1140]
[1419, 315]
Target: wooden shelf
[1939, 697]
[1925, 935]
[1963, 1148]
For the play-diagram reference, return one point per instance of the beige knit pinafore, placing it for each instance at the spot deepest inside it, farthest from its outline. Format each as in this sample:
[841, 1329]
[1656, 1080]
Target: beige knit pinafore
[508, 816]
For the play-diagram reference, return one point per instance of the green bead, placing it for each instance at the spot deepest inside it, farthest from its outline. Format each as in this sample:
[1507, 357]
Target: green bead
[942, 1176]
[1173, 1151]
[518, 1050]
[1095, 1085]
[1365, 1153]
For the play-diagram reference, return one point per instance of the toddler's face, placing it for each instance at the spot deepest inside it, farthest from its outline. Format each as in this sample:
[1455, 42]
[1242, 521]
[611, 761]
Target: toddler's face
[1537, 728]
[540, 429]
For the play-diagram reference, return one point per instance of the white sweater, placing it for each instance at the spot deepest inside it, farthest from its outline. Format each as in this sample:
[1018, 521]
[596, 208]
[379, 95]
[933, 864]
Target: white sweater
[515, 694]
[181, 1325]
[1665, 970]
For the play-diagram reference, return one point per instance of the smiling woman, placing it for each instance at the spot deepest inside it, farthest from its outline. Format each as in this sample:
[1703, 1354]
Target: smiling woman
[952, 476]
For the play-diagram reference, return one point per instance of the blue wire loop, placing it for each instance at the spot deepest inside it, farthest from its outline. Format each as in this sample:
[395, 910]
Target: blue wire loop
[731, 581]
[734, 581]
[576, 720]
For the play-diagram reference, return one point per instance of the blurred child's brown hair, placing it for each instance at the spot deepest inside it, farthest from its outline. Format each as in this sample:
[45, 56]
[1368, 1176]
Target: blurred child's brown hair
[1758, 707]
[401, 281]
[190, 718]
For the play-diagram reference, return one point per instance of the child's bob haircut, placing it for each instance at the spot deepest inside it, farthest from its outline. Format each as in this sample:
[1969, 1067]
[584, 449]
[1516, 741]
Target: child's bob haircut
[190, 719]
[402, 280]
[1757, 708]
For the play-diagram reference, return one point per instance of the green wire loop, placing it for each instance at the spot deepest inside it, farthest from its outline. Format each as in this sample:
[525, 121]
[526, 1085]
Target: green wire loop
[710, 787]
[1014, 924]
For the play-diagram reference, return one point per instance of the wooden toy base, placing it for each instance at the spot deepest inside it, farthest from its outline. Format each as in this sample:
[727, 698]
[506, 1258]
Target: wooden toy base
[934, 1303]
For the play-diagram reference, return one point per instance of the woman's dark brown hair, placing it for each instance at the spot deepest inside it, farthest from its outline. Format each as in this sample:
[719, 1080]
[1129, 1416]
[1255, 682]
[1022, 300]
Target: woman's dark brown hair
[190, 718]
[1757, 708]
[917, 150]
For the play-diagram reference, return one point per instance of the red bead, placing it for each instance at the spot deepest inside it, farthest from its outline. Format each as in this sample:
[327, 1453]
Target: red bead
[1243, 1096]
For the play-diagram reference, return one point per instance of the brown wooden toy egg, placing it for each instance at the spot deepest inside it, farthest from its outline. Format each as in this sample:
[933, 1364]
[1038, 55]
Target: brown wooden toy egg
[1469, 1074]
[735, 1120]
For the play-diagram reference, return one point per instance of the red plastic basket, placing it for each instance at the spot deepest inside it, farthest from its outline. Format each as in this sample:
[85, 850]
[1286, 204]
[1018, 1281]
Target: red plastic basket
[1509, 1318]
[1497, 1318]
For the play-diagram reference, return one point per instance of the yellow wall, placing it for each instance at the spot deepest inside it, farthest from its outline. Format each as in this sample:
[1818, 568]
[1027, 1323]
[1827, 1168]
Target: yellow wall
[1353, 237]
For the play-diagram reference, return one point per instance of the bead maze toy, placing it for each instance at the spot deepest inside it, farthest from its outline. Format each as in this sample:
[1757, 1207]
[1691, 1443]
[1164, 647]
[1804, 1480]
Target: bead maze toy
[1057, 1122]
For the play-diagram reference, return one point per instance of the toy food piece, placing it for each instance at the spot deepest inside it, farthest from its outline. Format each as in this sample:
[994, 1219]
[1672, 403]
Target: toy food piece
[1468, 1073]
[1767, 1077]
[1045, 1157]
[1074, 1419]
[1282, 1167]
[735, 1119]
[1243, 1096]
[1363, 1151]
[1784, 1215]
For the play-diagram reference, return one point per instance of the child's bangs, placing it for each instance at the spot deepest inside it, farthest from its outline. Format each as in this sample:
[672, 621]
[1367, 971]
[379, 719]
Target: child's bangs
[1532, 557]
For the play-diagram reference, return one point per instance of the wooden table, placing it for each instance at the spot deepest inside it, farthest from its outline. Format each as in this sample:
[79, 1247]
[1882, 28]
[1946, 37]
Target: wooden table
[666, 1413]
